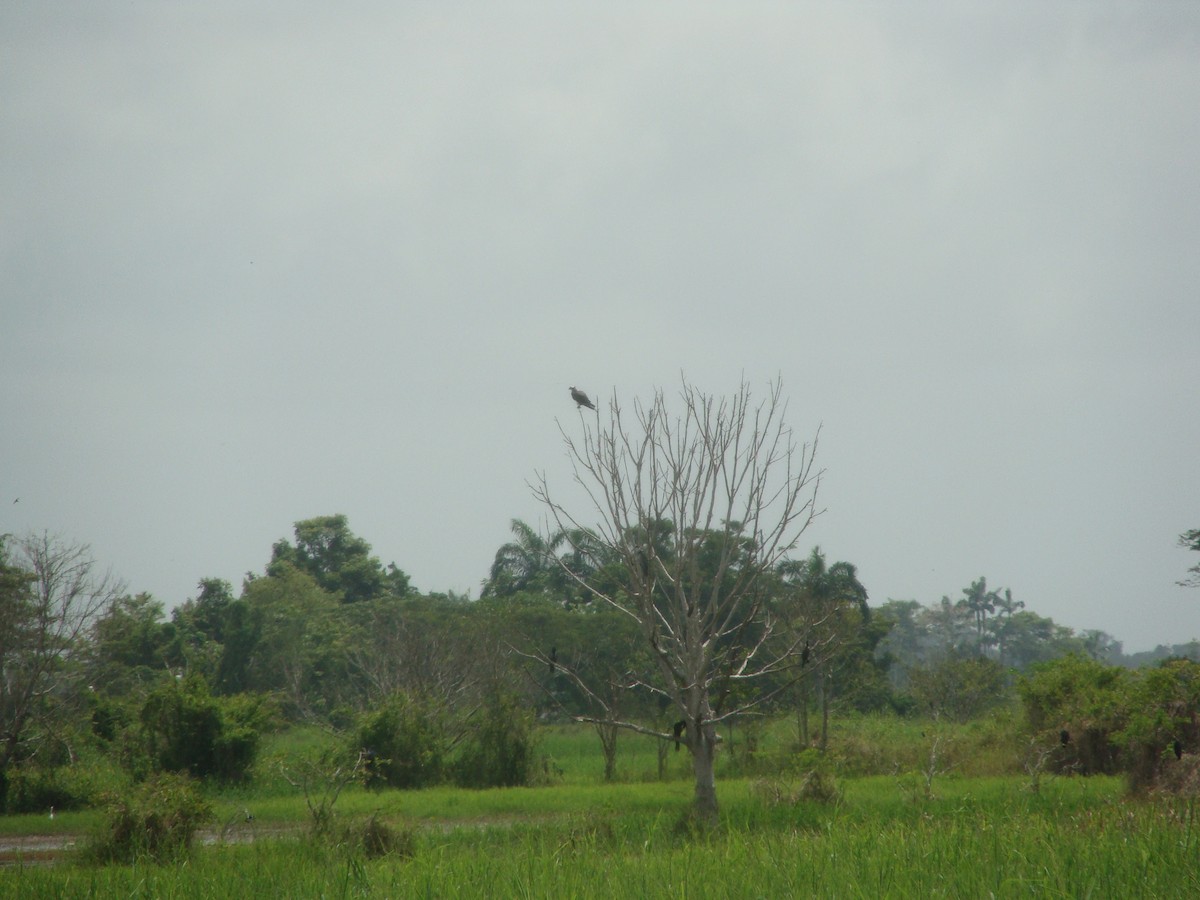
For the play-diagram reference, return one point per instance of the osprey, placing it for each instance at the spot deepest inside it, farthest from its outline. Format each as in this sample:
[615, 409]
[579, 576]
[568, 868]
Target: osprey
[580, 398]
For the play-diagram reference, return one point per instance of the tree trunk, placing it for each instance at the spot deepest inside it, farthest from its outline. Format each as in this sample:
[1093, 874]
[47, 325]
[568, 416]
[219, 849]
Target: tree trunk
[608, 743]
[824, 711]
[803, 712]
[704, 750]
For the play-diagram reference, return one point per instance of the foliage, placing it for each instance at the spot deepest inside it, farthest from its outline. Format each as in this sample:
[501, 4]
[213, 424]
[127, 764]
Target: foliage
[338, 560]
[1082, 700]
[1162, 713]
[984, 623]
[1112, 719]
[35, 788]
[186, 729]
[157, 820]
[498, 750]
[50, 595]
[130, 645]
[405, 742]
[961, 688]
[553, 566]
[322, 776]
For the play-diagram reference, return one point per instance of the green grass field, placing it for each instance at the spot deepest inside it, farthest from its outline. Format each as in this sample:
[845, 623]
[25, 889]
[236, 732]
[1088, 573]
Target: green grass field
[884, 835]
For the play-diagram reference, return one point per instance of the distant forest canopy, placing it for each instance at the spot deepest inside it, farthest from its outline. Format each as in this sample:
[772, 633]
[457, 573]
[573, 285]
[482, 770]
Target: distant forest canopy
[321, 605]
[327, 581]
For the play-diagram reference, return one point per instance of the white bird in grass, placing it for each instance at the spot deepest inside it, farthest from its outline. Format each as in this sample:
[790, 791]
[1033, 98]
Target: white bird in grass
[580, 398]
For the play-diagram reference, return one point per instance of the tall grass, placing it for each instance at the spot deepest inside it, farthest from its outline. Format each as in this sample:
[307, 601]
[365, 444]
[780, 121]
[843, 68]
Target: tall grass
[982, 837]
[970, 830]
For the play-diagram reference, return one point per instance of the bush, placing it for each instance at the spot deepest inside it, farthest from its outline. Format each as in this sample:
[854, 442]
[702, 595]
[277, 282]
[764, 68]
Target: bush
[499, 749]
[376, 838]
[158, 821]
[1109, 719]
[184, 728]
[1161, 710]
[404, 743]
[34, 789]
[958, 688]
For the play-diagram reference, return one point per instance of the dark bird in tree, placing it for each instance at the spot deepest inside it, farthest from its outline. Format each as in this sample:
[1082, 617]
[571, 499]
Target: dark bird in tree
[580, 398]
[804, 655]
[679, 728]
[1065, 737]
[553, 658]
[1178, 748]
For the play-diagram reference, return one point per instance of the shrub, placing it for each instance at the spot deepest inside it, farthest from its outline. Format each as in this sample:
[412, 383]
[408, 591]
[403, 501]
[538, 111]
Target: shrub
[158, 820]
[958, 688]
[1111, 719]
[35, 787]
[498, 751]
[38, 789]
[1161, 710]
[404, 743]
[376, 838]
[184, 728]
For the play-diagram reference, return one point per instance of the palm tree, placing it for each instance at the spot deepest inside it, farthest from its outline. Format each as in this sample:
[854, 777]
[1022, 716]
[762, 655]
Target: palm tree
[829, 609]
[979, 602]
[527, 563]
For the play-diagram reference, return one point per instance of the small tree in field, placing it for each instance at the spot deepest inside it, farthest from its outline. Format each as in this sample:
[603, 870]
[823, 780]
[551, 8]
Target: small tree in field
[695, 508]
[50, 594]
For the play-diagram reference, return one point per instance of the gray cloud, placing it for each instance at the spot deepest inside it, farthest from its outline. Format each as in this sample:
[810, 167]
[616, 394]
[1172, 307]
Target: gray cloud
[260, 267]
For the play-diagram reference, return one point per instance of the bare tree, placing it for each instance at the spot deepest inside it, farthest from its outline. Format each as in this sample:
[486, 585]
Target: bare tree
[695, 508]
[50, 594]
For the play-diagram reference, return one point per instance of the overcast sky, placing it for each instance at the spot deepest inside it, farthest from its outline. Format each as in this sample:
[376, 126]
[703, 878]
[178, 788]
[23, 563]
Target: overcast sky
[260, 266]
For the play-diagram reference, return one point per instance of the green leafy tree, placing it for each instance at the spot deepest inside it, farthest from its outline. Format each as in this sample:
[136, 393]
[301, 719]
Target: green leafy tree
[299, 631]
[556, 566]
[1030, 639]
[999, 627]
[825, 612]
[338, 560]
[130, 645]
[498, 747]
[205, 627]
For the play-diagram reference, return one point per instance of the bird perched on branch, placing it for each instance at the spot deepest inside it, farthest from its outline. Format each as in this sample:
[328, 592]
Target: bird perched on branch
[678, 729]
[580, 398]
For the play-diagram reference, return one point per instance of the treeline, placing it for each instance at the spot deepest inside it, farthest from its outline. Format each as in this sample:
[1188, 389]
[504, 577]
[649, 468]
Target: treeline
[436, 687]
